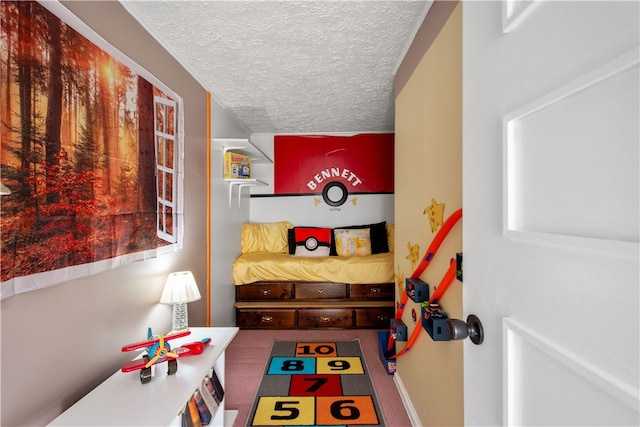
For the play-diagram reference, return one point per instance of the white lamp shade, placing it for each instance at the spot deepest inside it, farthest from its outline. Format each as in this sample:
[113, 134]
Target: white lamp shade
[180, 287]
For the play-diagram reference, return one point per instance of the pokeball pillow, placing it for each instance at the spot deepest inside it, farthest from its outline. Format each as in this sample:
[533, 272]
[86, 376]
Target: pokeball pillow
[311, 241]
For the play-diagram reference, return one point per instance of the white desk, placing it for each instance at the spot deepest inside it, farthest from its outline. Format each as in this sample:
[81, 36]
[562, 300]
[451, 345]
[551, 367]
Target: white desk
[123, 400]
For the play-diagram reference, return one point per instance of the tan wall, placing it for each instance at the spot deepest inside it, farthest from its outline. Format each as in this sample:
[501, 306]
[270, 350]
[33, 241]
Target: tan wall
[60, 342]
[429, 166]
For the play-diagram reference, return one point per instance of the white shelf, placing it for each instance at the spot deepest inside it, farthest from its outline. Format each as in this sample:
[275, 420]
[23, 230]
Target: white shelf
[241, 183]
[242, 146]
[123, 400]
[246, 148]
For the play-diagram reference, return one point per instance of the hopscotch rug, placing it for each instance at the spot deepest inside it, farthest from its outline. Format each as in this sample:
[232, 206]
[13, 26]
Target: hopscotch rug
[316, 384]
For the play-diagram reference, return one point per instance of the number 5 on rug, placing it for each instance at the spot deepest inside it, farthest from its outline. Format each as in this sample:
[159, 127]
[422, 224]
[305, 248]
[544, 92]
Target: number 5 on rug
[284, 411]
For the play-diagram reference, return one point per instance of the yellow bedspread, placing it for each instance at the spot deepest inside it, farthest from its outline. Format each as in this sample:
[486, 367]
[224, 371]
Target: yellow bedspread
[263, 266]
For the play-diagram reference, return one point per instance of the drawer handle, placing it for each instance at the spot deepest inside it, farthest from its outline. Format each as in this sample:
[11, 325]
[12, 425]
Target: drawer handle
[320, 291]
[383, 317]
[325, 318]
[375, 290]
[265, 292]
[266, 319]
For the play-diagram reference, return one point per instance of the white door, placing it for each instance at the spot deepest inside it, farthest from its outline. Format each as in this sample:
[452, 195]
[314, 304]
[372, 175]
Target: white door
[551, 212]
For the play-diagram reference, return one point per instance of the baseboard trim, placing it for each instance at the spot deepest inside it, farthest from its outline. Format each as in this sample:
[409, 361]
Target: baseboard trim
[406, 401]
[230, 416]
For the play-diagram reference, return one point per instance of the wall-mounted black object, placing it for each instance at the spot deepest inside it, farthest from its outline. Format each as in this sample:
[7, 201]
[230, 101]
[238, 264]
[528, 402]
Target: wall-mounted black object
[399, 329]
[416, 289]
[472, 328]
[434, 321]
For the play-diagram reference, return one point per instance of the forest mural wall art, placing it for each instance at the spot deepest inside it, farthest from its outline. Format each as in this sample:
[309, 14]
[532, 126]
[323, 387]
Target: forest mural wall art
[91, 152]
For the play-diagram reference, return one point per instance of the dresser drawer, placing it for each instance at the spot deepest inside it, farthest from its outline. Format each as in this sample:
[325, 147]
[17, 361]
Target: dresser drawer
[267, 291]
[373, 317]
[266, 319]
[325, 318]
[309, 291]
[384, 291]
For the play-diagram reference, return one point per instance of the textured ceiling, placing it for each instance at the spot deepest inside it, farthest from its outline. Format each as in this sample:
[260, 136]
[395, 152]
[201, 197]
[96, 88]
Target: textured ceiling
[291, 66]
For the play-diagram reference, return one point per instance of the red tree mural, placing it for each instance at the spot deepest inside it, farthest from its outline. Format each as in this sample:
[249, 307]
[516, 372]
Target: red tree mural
[78, 148]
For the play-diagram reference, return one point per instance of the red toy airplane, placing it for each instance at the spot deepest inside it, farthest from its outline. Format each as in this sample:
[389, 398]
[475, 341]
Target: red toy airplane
[158, 351]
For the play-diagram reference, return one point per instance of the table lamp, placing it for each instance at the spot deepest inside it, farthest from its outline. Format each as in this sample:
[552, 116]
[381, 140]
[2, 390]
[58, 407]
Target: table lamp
[180, 289]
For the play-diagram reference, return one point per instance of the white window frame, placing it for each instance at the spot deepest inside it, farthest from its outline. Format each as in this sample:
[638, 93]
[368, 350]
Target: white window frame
[167, 207]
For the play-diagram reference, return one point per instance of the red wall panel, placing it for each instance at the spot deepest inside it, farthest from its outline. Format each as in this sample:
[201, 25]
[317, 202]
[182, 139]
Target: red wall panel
[305, 164]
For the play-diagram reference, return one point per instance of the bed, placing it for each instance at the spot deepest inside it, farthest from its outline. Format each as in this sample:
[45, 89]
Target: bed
[292, 277]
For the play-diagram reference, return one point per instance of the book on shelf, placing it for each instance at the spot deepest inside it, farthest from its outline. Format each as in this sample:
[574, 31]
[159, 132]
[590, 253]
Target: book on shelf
[208, 381]
[203, 409]
[186, 417]
[208, 394]
[217, 385]
[193, 412]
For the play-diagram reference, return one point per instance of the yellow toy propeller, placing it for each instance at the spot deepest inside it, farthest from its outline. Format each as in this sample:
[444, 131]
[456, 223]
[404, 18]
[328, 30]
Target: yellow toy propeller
[160, 351]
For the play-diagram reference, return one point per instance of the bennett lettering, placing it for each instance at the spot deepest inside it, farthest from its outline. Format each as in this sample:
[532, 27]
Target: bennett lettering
[329, 173]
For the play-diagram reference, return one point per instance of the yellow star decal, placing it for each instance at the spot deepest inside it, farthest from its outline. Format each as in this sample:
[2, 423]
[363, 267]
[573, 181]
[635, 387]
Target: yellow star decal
[435, 213]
